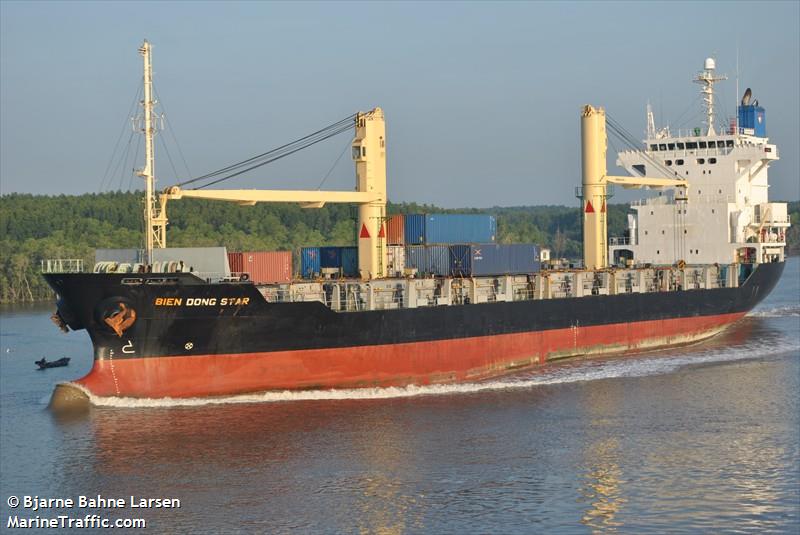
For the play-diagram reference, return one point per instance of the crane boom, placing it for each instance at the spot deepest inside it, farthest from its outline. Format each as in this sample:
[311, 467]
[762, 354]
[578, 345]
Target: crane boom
[369, 155]
[249, 197]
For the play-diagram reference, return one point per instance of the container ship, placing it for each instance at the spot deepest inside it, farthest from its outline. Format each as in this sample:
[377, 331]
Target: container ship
[696, 257]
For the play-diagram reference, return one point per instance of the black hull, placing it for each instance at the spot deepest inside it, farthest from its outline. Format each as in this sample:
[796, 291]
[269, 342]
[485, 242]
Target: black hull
[262, 327]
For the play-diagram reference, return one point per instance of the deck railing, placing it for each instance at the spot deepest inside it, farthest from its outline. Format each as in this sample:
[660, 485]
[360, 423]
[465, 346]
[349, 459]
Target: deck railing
[62, 265]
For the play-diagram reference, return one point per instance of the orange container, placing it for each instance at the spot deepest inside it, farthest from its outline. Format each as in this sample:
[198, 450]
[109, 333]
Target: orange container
[263, 267]
[395, 228]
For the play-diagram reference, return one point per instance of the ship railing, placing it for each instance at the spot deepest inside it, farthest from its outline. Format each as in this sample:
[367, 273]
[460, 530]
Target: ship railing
[62, 265]
[619, 240]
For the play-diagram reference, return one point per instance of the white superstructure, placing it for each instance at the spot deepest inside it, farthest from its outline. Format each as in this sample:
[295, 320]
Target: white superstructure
[724, 215]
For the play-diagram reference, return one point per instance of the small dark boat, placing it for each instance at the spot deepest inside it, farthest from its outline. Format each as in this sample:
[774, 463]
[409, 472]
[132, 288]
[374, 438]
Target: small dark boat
[43, 364]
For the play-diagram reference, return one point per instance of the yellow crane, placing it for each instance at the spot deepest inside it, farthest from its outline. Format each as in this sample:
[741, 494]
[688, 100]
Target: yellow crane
[595, 178]
[369, 155]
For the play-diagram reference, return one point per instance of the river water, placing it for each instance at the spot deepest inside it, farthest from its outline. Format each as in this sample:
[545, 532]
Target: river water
[698, 439]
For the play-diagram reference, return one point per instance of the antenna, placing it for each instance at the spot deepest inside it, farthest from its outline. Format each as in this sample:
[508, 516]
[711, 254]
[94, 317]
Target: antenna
[707, 79]
[736, 108]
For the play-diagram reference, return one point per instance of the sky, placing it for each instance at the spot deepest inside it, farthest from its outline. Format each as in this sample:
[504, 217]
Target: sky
[482, 100]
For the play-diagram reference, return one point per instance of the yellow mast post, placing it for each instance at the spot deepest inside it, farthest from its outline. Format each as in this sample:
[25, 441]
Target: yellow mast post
[593, 175]
[154, 219]
[369, 154]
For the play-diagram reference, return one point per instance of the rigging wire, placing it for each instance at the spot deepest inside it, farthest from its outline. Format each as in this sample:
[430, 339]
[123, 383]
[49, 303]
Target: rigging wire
[691, 106]
[275, 154]
[133, 161]
[119, 138]
[627, 138]
[172, 132]
[169, 157]
[347, 145]
[121, 163]
[282, 154]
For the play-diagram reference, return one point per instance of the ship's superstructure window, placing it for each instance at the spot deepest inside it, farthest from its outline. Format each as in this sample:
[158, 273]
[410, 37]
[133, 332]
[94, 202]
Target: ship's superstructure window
[691, 145]
[702, 144]
[662, 146]
[729, 143]
[680, 146]
[668, 162]
[679, 162]
[712, 160]
[701, 161]
[653, 147]
[671, 146]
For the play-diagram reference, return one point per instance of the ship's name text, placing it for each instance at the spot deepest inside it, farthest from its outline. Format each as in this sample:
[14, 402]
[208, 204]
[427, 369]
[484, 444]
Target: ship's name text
[201, 301]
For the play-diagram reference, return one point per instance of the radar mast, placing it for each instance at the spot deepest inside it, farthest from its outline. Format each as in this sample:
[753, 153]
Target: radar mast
[707, 78]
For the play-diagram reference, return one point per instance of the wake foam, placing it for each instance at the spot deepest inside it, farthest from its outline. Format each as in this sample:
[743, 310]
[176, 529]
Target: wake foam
[777, 312]
[641, 365]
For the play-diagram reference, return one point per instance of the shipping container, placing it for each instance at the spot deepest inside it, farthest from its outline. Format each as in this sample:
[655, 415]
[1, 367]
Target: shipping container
[330, 257]
[266, 267]
[414, 229]
[494, 259]
[236, 263]
[396, 260]
[309, 262]
[395, 230]
[460, 228]
[428, 259]
[349, 257]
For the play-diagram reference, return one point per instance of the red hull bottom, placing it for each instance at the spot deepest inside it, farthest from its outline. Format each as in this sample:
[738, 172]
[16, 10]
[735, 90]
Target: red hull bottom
[421, 363]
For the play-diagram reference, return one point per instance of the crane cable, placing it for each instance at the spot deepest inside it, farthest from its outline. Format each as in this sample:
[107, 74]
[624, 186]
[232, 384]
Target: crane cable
[277, 153]
[628, 140]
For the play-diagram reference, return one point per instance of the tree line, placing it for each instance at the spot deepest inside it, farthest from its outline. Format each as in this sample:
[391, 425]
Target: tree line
[39, 227]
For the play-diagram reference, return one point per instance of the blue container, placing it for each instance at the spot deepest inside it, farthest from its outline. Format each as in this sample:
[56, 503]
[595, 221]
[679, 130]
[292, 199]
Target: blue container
[414, 229]
[330, 257]
[309, 262]
[350, 261]
[753, 117]
[429, 259]
[460, 228]
[494, 259]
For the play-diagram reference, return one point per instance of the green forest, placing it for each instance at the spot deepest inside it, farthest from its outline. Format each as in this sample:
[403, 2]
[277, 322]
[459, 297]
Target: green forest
[37, 227]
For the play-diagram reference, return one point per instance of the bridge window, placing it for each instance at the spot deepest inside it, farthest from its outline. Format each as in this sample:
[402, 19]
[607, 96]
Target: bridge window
[680, 146]
[702, 144]
[729, 143]
[691, 145]
[662, 146]
[672, 146]
[653, 147]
